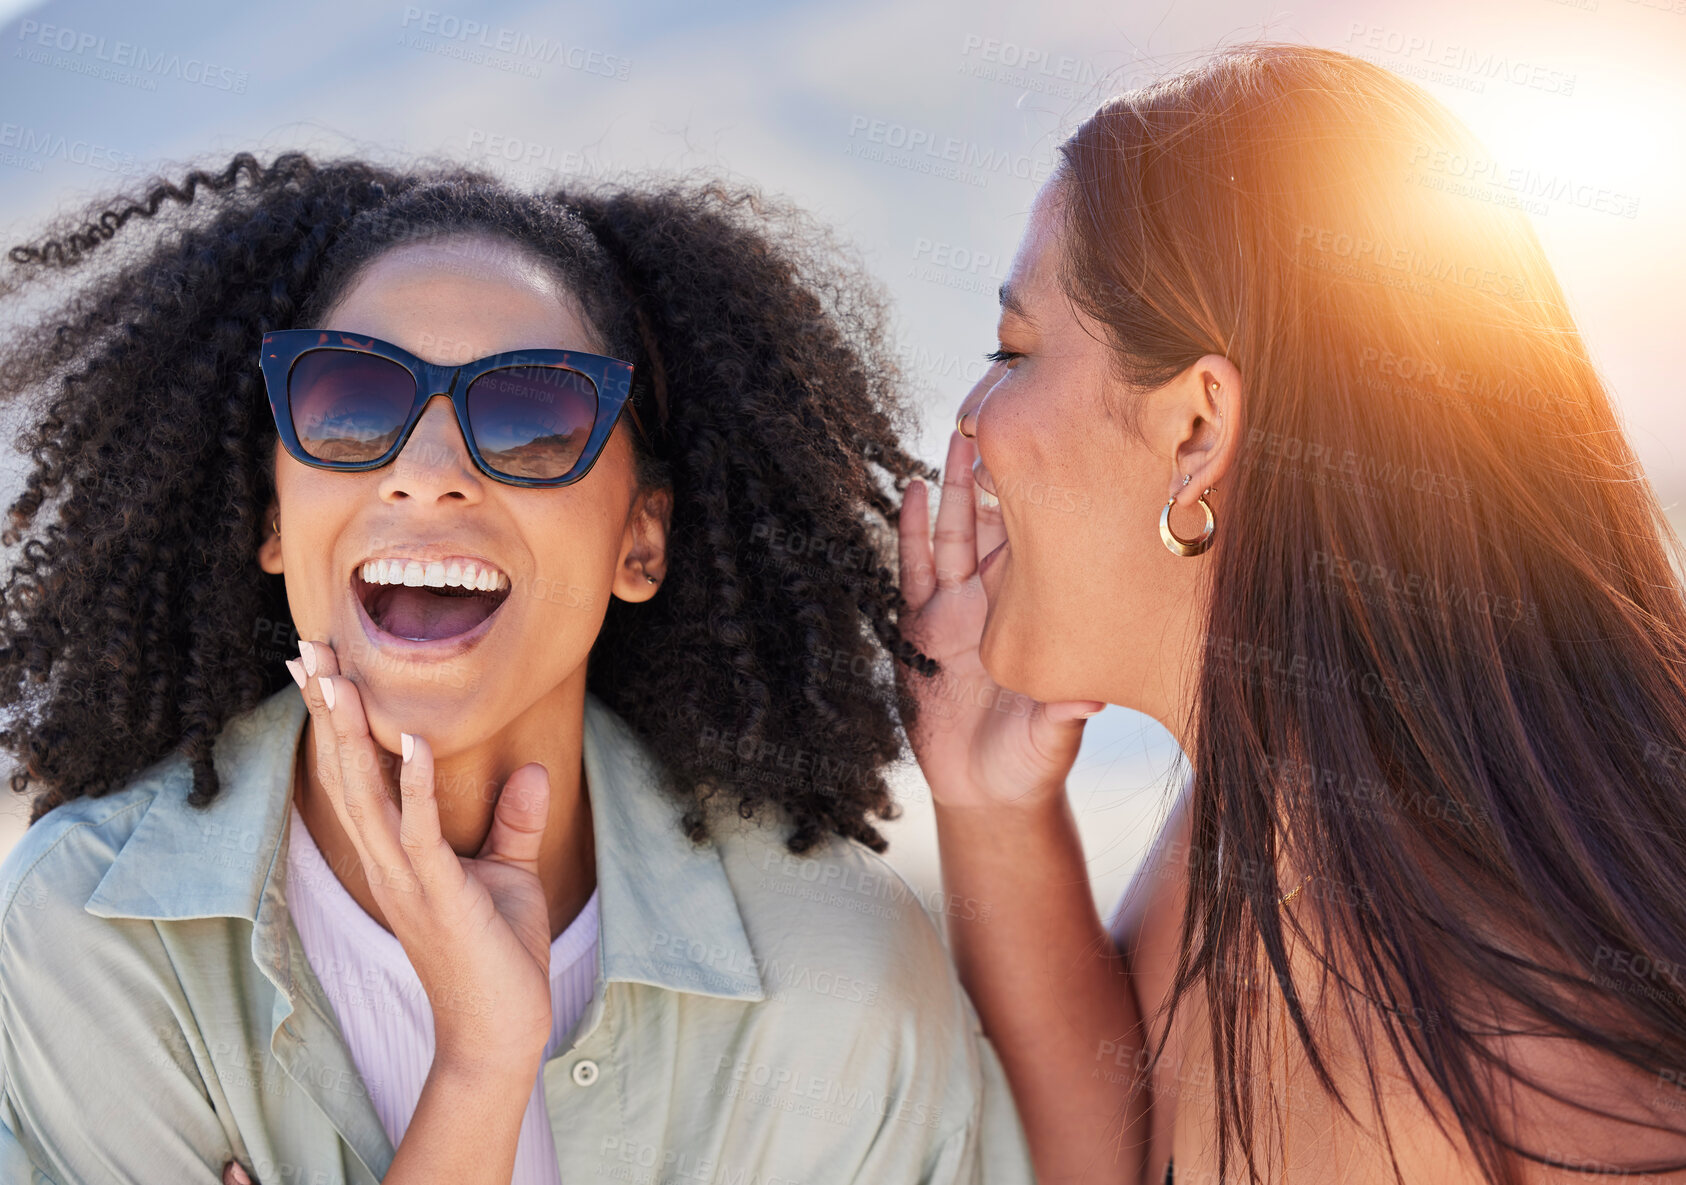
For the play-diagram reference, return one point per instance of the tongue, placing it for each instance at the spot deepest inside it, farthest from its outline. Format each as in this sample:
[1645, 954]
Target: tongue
[424, 616]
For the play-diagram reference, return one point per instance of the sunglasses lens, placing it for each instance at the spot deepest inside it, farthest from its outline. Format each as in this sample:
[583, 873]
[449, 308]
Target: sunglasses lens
[348, 406]
[532, 421]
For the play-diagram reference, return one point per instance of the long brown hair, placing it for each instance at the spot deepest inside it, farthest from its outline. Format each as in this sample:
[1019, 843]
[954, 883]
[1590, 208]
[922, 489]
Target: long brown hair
[1443, 668]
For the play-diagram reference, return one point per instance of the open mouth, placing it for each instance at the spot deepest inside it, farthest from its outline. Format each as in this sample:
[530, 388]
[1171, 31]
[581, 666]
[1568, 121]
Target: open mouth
[423, 612]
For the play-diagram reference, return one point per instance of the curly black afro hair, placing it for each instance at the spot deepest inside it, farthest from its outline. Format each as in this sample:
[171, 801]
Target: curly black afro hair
[138, 622]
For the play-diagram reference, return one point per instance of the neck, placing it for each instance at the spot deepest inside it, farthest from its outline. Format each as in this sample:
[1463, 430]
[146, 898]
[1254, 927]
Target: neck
[467, 783]
[1171, 697]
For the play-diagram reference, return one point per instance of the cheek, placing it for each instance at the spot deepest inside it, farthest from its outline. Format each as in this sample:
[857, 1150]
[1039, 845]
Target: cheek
[315, 509]
[574, 555]
[1064, 471]
[575, 536]
[1081, 498]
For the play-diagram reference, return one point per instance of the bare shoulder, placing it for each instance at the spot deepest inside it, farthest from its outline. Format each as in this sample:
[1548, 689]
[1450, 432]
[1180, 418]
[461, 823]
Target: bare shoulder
[1146, 924]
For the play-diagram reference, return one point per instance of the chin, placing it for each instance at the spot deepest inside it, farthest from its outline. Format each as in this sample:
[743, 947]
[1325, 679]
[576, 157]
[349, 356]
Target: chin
[434, 710]
[1033, 665]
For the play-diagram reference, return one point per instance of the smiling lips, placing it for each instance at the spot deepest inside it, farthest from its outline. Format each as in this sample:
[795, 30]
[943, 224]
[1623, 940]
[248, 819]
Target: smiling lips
[429, 600]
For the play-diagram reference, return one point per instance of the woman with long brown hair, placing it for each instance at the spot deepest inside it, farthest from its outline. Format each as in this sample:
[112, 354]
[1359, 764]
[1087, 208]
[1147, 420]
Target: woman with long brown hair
[1300, 452]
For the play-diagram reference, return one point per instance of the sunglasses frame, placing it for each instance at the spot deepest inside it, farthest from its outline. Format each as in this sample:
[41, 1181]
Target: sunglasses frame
[282, 348]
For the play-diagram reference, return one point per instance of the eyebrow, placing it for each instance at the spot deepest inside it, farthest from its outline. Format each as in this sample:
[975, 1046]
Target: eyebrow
[1010, 301]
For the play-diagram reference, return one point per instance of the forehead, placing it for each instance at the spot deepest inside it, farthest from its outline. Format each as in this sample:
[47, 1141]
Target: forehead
[462, 296]
[1035, 267]
[477, 264]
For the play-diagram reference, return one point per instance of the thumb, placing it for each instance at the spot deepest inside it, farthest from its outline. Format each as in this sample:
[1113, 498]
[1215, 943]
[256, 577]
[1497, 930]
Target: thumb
[1054, 734]
[519, 820]
[1056, 730]
[1071, 711]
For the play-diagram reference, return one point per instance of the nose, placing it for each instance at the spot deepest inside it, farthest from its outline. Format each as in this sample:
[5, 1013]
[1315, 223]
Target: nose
[434, 462]
[966, 418]
[966, 423]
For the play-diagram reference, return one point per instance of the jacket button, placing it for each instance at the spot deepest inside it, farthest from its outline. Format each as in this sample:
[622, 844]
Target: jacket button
[585, 1072]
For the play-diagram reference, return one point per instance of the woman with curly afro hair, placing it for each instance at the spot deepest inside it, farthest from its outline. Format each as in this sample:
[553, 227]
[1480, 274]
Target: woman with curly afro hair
[556, 859]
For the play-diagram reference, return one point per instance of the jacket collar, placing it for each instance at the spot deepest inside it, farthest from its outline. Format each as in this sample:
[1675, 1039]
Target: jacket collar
[668, 914]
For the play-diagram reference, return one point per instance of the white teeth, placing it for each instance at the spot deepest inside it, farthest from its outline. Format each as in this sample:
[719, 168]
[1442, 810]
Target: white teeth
[434, 574]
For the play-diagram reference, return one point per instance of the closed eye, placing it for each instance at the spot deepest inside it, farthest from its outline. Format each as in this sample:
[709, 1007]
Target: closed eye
[995, 356]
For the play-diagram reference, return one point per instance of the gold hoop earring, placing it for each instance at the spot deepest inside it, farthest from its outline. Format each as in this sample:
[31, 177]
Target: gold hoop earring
[960, 426]
[277, 525]
[1186, 547]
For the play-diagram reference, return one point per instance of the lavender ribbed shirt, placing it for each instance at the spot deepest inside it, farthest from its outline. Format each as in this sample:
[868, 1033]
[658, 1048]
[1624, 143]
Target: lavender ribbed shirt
[384, 1014]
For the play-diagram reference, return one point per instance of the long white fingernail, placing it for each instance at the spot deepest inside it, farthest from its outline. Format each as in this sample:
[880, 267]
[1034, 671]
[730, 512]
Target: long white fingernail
[408, 744]
[326, 683]
[296, 671]
[308, 653]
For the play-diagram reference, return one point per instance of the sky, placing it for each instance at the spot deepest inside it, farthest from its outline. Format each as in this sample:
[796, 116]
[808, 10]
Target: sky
[837, 109]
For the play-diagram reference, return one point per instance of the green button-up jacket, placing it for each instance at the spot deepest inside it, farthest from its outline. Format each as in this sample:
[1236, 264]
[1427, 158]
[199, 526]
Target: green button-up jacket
[758, 1018]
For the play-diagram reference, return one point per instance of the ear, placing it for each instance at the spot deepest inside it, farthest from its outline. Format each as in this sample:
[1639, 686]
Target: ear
[1201, 425]
[644, 546]
[269, 551]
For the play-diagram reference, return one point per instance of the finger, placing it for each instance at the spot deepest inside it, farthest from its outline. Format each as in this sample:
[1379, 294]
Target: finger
[234, 1174]
[519, 821]
[988, 526]
[366, 799]
[319, 662]
[955, 540]
[434, 860]
[919, 579]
